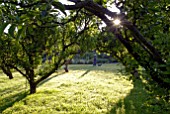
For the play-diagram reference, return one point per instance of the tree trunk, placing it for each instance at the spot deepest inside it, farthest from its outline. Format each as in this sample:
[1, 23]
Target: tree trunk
[33, 84]
[7, 71]
[156, 76]
[138, 36]
[32, 87]
[95, 59]
[66, 65]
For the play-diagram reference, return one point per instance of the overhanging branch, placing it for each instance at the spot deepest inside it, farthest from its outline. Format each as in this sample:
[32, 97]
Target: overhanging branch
[90, 5]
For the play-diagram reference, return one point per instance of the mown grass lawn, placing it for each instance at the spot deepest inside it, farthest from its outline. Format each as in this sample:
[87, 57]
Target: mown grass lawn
[83, 90]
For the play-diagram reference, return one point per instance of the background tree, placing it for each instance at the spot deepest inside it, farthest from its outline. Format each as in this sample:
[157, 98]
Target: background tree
[152, 56]
[152, 19]
[34, 31]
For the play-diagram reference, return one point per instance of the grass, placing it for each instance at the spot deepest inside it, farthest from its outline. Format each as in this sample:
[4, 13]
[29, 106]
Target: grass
[84, 90]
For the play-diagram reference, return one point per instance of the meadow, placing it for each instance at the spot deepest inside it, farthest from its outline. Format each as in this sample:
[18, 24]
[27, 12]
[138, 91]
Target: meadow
[83, 90]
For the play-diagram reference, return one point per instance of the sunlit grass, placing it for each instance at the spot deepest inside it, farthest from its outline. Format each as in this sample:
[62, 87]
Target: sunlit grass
[84, 90]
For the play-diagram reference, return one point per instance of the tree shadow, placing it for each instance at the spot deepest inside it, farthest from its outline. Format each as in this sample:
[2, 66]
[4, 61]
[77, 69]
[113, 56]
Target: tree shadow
[87, 71]
[9, 100]
[9, 90]
[104, 67]
[81, 67]
[134, 102]
[46, 80]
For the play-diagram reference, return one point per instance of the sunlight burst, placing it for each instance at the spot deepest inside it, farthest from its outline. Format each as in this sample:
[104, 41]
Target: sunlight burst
[117, 22]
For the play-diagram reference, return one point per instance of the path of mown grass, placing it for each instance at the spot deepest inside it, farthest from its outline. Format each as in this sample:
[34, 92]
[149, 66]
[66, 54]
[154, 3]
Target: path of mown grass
[84, 90]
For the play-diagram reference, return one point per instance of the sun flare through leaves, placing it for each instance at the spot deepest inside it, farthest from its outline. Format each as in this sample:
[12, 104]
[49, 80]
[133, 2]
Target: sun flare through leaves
[117, 22]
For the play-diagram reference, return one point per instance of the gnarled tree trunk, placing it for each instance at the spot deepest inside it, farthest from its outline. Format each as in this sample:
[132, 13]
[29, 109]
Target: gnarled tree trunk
[31, 80]
[32, 87]
[7, 71]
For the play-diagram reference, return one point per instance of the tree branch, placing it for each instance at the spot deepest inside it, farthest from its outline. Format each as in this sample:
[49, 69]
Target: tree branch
[76, 6]
[143, 41]
[90, 5]
[20, 71]
[101, 12]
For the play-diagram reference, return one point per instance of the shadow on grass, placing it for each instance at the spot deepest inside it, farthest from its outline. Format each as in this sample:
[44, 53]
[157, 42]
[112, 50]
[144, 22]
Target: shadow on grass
[81, 67]
[105, 67]
[9, 100]
[134, 102]
[87, 71]
[46, 80]
[9, 90]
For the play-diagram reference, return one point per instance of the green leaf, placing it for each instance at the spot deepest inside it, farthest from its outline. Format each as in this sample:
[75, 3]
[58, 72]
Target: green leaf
[164, 65]
[105, 1]
[11, 30]
[21, 32]
[30, 30]
[166, 72]
[39, 23]
[59, 6]
[2, 28]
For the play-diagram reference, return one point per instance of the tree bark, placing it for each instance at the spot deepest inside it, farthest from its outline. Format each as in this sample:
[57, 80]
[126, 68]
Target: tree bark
[32, 87]
[156, 56]
[66, 65]
[31, 80]
[7, 71]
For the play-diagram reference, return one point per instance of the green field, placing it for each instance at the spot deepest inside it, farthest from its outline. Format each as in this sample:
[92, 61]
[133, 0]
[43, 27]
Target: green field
[84, 90]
